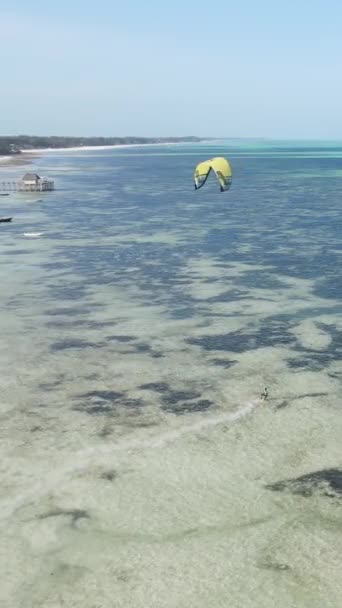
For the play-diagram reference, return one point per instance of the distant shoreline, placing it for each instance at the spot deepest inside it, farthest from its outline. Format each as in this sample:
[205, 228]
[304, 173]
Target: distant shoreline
[109, 147]
[25, 156]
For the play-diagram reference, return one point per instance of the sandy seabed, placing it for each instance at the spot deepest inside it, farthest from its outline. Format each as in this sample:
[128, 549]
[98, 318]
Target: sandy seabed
[138, 465]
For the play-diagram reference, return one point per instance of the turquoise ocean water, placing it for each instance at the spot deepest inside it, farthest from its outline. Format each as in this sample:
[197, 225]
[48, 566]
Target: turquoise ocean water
[138, 466]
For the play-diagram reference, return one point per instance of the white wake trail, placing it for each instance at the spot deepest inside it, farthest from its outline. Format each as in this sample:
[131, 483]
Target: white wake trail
[82, 459]
[201, 425]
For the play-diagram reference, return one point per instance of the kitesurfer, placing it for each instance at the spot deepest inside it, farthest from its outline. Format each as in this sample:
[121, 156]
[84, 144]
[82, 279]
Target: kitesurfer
[264, 395]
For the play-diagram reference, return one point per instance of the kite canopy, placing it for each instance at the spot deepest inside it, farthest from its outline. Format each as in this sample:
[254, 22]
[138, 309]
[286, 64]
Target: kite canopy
[222, 170]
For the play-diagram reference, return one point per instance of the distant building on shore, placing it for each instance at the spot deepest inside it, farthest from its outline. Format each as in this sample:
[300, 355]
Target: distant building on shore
[30, 182]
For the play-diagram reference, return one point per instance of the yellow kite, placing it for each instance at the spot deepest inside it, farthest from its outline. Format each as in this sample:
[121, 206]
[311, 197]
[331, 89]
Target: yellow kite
[222, 170]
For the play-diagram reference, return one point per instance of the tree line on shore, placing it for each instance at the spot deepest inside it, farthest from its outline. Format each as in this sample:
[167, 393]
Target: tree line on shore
[14, 144]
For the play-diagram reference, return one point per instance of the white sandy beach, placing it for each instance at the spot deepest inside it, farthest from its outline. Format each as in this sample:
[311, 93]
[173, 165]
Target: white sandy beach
[111, 147]
[17, 159]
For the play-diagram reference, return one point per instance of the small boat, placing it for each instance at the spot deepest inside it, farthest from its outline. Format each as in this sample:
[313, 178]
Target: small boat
[4, 194]
[6, 219]
[33, 235]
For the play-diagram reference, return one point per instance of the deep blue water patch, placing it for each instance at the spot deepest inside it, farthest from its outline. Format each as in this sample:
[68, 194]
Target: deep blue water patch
[180, 408]
[225, 363]
[106, 403]
[16, 252]
[327, 482]
[159, 387]
[74, 343]
[282, 216]
[265, 209]
[241, 341]
[178, 402]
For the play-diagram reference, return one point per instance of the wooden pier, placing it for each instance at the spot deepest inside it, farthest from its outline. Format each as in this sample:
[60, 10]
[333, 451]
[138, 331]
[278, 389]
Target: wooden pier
[31, 182]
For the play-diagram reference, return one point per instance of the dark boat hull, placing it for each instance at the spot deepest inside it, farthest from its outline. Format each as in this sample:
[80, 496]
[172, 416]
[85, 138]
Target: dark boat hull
[5, 219]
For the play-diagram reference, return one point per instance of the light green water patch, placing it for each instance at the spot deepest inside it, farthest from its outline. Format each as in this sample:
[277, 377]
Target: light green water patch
[168, 238]
[323, 173]
[311, 336]
[202, 494]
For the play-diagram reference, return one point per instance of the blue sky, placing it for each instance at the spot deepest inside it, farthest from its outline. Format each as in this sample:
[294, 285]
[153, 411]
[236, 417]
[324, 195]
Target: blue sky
[142, 67]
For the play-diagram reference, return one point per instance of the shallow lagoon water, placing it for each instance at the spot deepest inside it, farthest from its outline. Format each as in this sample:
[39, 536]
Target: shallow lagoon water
[138, 465]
